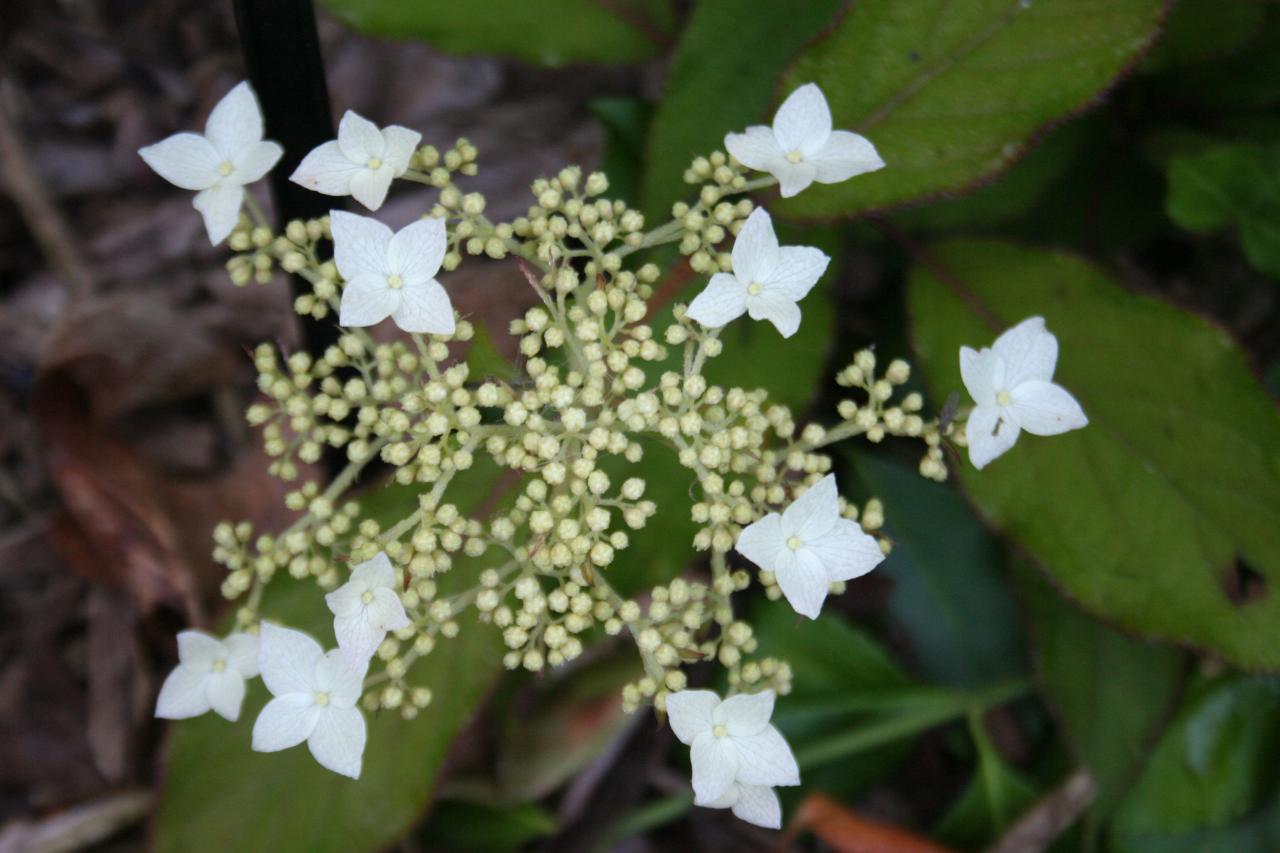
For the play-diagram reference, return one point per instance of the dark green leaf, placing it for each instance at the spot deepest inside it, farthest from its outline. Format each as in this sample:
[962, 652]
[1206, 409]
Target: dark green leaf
[1199, 30]
[953, 92]
[486, 829]
[1160, 512]
[626, 126]
[549, 32]
[992, 800]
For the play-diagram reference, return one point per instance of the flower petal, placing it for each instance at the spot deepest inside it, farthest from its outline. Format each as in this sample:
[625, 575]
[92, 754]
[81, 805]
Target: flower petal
[220, 207]
[367, 299]
[803, 122]
[755, 251]
[846, 551]
[255, 161]
[225, 691]
[722, 301]
[235, 123]
[845, 155]
[757, 148]
[342, 679]
[338, 741]
[425, 308]
[359, 138]
[198, 650]
[797, 271]
[784, 313]
[983, 374]
[377, 571]
[689, 713]
[358, 638]
[326, 170]
[715, 766]
[815, 512]
[369, 186]
[766, 759]
[285, 721]
[758, 804]
[186, 160]
[386, 611]
[803, 581]
[360, 244]
[794, 177]
[242, 654]
[1029, 351]
[1043, 408]
[745, 714]
[287, 659]
[400, 143]
[182, 695]
[346, 600]
[989, 433]
[760, 540]
[417, 250]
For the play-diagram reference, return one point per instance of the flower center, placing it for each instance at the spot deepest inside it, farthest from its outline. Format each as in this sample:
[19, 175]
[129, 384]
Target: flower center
[719, 730]
[1003, 398]
[794, 156]
[794, 543]
[394, 281]
[374, 163]
[755, 288]
[320, 698]
[366, 596]
[225, 168]
[219, 665]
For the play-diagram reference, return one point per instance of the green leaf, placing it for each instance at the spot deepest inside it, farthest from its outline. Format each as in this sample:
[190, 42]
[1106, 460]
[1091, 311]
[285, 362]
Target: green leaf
[994, 797]
[722, 78]
[1111, 694]
[465, 826]
[947, 587]
[483, 359]
[220, 795]
[953, 92]
[1159, 514]
[1200, 30]
[626, 125]
[549, 32]
[1217, 763]
[1236, 185]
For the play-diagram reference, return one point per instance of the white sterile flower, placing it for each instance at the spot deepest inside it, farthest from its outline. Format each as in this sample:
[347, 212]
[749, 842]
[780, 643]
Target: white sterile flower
[230, 154]
[756, 804]
[391, 275]
[210, 674]
[315, 700]
[1010, 382]
[362, 162]
[809, 546]
[366, 607]
[730, 741]
[767, 280]
[801, 147]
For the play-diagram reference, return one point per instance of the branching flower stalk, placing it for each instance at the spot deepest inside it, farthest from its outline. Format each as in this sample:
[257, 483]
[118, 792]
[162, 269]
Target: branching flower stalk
[598, 388]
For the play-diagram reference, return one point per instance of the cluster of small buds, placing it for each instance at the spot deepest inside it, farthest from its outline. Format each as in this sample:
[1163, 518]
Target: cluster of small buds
[439, 169]
[706, 223]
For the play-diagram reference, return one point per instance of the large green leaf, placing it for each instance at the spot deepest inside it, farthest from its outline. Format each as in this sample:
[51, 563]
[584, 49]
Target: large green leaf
[994, 798]
[1216, 765]
[220, 795]
[1163, 514]
[954, 91]
[1235, 185]
[1111, 693]
[550, 32]
[947, 587]
[722, 77]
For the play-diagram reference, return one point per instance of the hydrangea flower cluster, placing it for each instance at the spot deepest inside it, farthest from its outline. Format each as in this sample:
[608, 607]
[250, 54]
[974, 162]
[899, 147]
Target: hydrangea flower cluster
[598, 388]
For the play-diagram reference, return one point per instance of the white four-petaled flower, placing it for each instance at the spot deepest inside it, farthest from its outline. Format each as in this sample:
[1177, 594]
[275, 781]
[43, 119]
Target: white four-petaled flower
[730, 741]
[230, 154]
[315, 700]
[366, 607]
[766, 283]
[210, 674]
[809, 546]
[362, 162]
[801, 147]
[756, 804]
[1010, 383]
[391, 275]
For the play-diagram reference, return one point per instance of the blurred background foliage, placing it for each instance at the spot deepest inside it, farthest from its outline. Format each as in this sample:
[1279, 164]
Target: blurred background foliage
[1071, 650]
